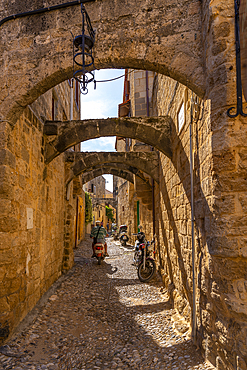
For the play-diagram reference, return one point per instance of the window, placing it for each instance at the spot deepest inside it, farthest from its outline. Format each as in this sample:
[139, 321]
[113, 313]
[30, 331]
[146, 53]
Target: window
[92, 188]
[122, 208]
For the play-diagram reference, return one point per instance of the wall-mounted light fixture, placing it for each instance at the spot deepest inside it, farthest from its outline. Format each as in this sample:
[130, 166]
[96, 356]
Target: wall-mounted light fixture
[82, 53]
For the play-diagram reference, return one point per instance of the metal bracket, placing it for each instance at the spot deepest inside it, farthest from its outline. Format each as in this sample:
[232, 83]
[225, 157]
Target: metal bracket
[239, 109]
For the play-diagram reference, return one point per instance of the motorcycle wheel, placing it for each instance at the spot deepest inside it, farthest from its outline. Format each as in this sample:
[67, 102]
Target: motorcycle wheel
[99, 260]
[146, 274]
[136, 259]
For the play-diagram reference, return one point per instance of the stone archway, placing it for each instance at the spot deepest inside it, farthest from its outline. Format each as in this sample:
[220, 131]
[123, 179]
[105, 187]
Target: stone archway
[135, 35]
[62, 135]
[103, 170]
[79, 163]
[116, 169]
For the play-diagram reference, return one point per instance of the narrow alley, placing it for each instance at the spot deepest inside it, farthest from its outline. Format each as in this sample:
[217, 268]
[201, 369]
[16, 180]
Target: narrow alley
[102, 317]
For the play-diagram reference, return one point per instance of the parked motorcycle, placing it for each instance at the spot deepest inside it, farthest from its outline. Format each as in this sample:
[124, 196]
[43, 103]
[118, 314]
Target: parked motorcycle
[114, 232]
[123, 237]
[99, 250]
[143, 259]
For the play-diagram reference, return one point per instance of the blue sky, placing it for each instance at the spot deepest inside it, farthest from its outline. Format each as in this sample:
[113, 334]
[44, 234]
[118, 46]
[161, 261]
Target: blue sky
[102, 103]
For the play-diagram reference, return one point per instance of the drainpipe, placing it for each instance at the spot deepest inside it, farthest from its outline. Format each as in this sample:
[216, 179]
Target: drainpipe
[71, 98]
[192, 223]
[147, 95]
[152, 148]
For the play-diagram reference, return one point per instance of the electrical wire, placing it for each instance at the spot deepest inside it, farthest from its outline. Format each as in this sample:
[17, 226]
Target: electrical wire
[116, 78]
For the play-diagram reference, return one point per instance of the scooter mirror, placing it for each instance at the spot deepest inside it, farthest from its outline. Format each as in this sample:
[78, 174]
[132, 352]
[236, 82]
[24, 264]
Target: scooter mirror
[139, 226]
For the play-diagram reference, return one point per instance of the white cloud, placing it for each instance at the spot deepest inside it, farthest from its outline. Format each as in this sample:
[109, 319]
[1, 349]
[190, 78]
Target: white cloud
[97, 108]
[102, 144]
[103, 102]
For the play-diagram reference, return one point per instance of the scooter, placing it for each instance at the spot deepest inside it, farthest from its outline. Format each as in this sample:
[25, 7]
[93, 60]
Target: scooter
[99, 250]
[114, 232]
[123, 237]
[143, 259]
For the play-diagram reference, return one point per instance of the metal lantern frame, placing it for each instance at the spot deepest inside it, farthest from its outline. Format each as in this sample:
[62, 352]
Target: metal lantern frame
[83, 53]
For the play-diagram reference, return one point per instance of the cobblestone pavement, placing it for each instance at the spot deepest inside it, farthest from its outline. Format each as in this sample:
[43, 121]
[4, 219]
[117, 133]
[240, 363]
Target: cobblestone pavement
[102, 317]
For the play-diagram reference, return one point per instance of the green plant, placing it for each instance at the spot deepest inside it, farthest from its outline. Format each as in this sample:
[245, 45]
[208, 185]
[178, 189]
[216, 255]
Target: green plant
[109, 213]
[88, 208]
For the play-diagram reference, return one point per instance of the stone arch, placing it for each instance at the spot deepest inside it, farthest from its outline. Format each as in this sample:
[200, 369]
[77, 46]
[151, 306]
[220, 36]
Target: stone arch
[116, 169]
[37, 49]
[151, 130]
[79, 163]
[103, 170]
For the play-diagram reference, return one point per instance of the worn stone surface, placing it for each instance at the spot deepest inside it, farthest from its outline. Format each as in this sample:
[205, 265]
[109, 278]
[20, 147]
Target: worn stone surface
[103, 317]
[78, 163]
[153, 130]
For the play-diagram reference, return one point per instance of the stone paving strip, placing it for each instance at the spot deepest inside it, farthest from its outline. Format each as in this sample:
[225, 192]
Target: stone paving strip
[102, 317]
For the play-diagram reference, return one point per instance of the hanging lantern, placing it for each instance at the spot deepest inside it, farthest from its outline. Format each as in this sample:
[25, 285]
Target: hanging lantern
[82, 53]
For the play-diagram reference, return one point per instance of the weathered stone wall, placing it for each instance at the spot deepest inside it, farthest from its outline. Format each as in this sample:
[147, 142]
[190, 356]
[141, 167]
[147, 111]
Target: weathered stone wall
[129, 194]
[219, 224]
[37, 226]
[31, 258]
[127, 212]
[96, 187]
[141, 83]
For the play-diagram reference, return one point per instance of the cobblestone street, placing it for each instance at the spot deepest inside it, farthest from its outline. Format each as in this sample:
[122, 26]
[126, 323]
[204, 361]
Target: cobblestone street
[102, 317]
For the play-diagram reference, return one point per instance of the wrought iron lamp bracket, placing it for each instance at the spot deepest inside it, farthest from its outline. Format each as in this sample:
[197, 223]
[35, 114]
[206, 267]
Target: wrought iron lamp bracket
[82, 53]
[239, 109]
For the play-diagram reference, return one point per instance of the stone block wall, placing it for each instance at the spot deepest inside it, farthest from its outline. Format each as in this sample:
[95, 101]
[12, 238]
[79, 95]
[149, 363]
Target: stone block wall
[32, 220]
[96, 187]
[35, 246]
[219, 223]
[139, 82]
[127, 211]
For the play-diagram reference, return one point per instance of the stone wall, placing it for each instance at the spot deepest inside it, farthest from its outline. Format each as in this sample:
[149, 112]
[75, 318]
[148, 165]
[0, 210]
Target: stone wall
[127, 211]
[219, 224]
[131, 196]
[141, 83]
[31, 252]
[219, 173]
[96, 187]
[37, 222]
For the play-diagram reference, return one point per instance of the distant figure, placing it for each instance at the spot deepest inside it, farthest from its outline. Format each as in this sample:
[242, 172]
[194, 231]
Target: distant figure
[101, 224]
[98, 234]
[107, 227]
